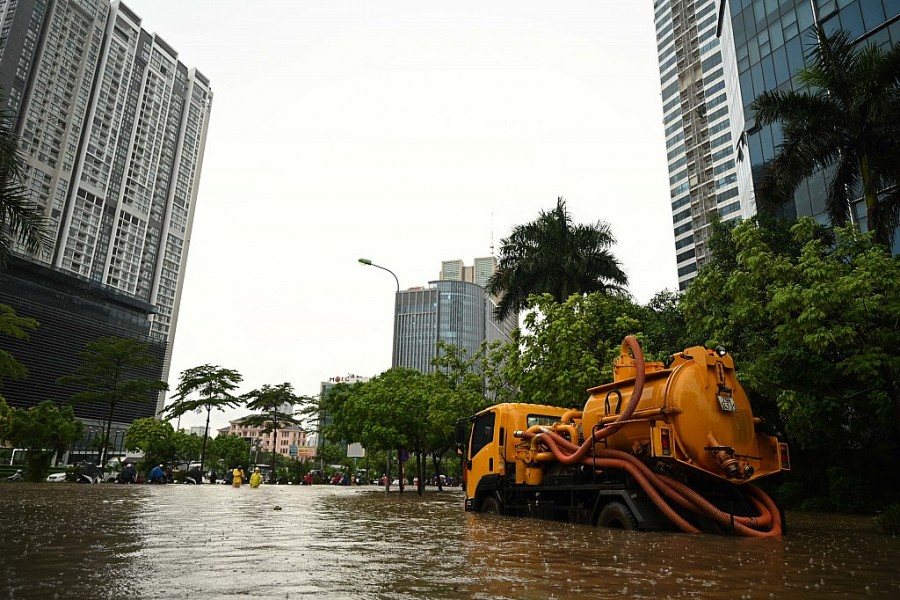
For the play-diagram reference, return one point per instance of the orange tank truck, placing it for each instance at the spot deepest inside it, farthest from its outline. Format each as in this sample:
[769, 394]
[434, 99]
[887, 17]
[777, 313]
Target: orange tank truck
[664, 446]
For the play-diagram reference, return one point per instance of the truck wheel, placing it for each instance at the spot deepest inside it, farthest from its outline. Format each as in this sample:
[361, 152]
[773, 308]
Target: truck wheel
[490, 505]
[617, 516]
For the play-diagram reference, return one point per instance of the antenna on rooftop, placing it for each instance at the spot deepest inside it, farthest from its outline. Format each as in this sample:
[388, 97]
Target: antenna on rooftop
[492, 233]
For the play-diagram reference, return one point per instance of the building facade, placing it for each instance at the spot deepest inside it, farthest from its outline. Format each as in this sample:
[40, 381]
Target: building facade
[112, 130]
[712, 66]
[454, 309]
[291, 442]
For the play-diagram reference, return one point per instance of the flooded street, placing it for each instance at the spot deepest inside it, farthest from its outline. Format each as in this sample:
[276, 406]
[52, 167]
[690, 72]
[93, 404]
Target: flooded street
[213, 541]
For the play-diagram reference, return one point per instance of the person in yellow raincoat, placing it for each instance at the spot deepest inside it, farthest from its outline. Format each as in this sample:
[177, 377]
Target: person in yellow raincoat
[256, 478]
[237, 476]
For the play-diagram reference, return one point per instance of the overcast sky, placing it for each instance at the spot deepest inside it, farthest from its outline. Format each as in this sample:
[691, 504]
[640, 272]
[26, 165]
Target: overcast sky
[407, 133]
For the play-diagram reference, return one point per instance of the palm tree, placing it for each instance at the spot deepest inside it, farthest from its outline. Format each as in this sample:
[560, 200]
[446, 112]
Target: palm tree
[846, 117]
[20, 219]
[554, 256]
[214, 385]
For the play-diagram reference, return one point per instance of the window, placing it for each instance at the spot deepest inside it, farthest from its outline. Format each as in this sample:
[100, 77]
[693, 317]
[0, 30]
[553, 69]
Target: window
[482, 432]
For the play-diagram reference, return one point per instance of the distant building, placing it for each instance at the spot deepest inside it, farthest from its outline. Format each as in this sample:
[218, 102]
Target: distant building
[291, 442]
[455, 309]
[113, 131]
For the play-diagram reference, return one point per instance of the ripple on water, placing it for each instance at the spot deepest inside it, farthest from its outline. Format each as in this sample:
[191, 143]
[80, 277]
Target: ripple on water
[214, 541]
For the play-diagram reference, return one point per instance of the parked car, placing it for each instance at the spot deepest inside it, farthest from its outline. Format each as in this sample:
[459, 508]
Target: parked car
[56, 477]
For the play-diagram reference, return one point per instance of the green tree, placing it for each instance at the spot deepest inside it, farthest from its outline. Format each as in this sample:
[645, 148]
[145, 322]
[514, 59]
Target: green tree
[846, 117]
[569, 347]
[814, 330]
[45, 430]
[269, 400]
[108, 375]
[229, 450]
[17, 327]
[214, 385]
[384, 413]
[187, 446]
[154, 438]
[20, 219]
[552, 255]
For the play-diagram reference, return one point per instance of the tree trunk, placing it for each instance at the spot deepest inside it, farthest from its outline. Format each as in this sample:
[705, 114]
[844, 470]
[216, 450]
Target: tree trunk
[437, 469]
[105, 441]
[273, 478]
[420, 475]
[203, 448]
[400, 467]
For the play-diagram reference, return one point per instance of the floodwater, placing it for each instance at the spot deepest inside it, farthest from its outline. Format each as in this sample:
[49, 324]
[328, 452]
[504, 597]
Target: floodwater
[214, 541]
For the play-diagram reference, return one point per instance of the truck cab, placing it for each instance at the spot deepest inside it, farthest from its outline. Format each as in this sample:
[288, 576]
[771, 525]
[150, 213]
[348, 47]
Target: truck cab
[489, 463]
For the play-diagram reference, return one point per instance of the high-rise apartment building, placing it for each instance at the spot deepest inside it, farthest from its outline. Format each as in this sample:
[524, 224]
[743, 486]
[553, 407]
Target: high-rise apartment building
[708, 82]
[113, 128]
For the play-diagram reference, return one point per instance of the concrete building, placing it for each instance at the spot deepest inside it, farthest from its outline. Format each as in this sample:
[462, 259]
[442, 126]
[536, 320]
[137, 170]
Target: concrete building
[292, 442]
[113, 129]
[710, 75]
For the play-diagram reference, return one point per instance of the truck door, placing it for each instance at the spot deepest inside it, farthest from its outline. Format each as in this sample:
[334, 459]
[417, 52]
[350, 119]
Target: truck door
[483, 454]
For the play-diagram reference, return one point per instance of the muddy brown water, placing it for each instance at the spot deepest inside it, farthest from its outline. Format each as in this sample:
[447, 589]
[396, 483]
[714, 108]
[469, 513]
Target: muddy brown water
[213, 541]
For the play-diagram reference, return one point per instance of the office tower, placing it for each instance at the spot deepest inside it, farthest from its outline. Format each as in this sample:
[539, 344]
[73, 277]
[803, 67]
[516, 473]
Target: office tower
[708, 82]
[455, 309]
[478, 273]
[113, 129]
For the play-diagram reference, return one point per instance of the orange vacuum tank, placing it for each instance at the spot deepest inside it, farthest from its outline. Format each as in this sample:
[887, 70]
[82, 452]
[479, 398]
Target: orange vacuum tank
[693, 412]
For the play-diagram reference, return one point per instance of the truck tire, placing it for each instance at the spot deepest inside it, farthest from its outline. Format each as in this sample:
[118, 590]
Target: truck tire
[490, 505]
[617, 516]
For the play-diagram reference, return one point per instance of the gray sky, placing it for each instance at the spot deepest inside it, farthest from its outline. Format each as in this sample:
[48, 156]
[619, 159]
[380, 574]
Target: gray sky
[407, 133]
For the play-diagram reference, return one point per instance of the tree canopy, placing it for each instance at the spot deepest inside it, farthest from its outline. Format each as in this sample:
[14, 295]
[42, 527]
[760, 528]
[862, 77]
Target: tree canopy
[107, 375]
[45, 430]
[269, 401]
[552, 255]
[154, 438]
[18, 327]
[214, 385]
[814, 324]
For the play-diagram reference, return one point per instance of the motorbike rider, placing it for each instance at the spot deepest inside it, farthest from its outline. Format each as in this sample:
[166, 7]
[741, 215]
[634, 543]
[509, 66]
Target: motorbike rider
[157, 475]
[128, 474]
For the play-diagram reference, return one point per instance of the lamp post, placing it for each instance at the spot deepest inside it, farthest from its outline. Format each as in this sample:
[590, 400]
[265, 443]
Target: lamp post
[394, 363]
[369, 263]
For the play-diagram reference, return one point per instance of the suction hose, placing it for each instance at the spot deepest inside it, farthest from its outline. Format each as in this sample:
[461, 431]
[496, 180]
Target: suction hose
[654, 485]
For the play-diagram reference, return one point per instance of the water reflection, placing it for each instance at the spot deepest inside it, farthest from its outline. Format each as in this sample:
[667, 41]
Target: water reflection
[214, 541]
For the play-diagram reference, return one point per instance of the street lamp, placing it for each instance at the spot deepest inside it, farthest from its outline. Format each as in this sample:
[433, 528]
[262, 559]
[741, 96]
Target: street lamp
[396, 348]
[394, 361]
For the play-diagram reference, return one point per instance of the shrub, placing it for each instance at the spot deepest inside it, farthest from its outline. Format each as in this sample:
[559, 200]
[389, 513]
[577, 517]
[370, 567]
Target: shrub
[889, 520]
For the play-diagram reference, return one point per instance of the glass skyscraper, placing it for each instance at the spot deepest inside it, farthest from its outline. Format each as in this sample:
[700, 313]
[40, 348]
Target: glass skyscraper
[708, 82]
[454, 309]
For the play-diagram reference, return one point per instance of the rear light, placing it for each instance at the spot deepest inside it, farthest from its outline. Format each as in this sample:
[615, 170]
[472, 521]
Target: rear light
[784, 457]
[665, 441]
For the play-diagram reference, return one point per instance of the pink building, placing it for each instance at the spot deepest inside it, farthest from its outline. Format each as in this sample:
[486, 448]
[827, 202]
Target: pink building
[289, 438]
